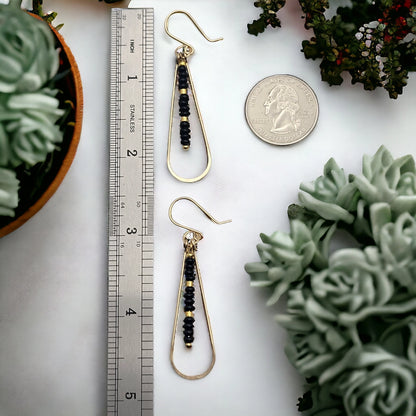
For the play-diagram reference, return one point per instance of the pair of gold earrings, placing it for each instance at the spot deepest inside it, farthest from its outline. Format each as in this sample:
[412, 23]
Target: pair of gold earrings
[190, 278]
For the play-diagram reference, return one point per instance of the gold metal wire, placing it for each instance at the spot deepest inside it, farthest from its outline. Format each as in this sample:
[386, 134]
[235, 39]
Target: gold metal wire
[191, 246]
[187, 48]
[203, 210]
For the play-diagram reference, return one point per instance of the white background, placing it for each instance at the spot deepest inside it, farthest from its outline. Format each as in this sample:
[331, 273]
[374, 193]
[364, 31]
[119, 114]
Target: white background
[53, 269]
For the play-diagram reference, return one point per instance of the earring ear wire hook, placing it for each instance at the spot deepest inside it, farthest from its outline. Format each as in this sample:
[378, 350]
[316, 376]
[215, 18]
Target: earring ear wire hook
[187, 48]
[204, 211]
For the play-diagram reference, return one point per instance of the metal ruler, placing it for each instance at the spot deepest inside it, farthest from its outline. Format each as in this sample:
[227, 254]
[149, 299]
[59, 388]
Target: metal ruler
[131, 203]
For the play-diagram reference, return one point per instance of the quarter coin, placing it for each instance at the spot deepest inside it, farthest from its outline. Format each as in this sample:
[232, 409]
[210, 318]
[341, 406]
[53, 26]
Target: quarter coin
[281, 109]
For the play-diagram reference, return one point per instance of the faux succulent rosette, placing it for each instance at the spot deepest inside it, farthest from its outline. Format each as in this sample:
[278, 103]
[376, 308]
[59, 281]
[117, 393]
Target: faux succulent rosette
[32, 110]
[350, 313]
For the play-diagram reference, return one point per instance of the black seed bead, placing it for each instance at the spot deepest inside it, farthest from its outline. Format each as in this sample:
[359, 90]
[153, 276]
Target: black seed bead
[184, 97]
[185, 130]
[189, 327]
[185, 142]
[189, 260]
[189, 289]
[182, 83]
[189, 297]
[188, 339]
[185, 136]
[184, 125]
[189, 265]
[189, 303]
[189, 272]
[188, 332]
[189, 308]
[184, 112]
[189, 319]
[182, 69]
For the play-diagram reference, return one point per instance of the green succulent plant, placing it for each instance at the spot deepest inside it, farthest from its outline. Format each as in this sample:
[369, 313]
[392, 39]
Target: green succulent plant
[350, 313]
[29, 107]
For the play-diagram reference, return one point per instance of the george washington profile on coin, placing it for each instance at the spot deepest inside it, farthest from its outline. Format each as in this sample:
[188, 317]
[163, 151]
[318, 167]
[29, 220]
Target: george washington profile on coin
[281, 109]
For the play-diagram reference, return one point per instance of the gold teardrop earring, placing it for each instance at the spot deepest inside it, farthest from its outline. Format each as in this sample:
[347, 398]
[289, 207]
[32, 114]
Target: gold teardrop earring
[182, 81]
[190, 271]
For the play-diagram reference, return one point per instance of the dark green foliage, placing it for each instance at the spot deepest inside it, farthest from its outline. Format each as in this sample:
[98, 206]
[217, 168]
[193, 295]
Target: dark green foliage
[268, 17]
[369, 40]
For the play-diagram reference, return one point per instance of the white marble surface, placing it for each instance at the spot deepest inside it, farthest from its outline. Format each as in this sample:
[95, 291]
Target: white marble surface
[53, 269]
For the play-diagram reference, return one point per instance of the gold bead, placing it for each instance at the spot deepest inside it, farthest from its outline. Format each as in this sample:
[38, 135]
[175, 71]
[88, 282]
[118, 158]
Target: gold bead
[188, 345]
[181, 62]
[183, 91]
[185, 147]
[189, 314]
[184, 118]
[189, 283]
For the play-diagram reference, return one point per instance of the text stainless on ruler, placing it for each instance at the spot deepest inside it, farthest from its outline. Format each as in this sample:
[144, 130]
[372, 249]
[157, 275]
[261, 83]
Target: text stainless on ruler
[130, 256]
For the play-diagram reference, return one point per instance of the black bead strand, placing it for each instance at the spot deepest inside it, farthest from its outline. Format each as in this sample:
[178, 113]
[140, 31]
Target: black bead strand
[184, 110]
[189, 301]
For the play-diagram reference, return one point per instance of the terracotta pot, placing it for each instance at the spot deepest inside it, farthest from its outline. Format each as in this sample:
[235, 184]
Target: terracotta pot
[61, 160]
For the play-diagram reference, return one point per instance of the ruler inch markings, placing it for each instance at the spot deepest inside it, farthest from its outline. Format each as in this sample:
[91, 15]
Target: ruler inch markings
[131, 204]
